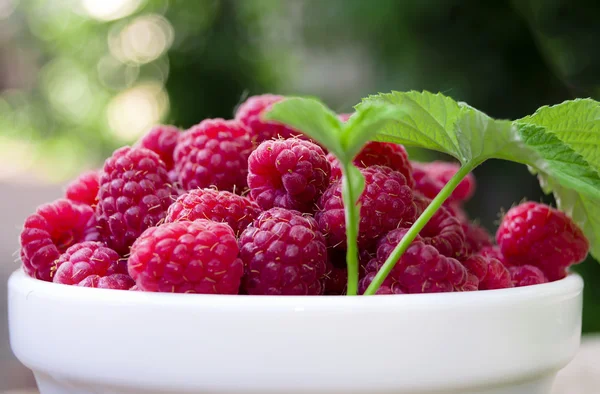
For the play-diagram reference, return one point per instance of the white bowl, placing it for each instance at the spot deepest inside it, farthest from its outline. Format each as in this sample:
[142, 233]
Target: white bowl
[82, 341]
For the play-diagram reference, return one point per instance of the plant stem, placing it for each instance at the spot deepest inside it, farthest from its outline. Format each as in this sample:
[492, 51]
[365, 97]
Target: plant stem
[351, 212]
[417, 226]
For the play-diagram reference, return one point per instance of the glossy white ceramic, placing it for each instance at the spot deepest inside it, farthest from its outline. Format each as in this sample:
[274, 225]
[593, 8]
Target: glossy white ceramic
[84, 341]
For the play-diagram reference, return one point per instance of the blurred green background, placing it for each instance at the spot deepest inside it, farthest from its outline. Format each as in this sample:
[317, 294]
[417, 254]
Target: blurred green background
[79, 78]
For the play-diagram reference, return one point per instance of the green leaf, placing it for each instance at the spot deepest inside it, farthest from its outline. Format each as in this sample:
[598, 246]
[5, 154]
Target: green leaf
[576, 123]
[584, 210]
[434, 121]
[313, 118]
[559, 161]
[364, 124]
[425, 122]
[356, 182]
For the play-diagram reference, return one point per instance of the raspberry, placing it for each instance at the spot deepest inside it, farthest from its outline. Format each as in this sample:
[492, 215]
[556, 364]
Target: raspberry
[526, 275]
[113, 282]
[250, 114]
[430, 178]
[284, 254]
[161, 140]
[187, 257]
[492, 274]
[375, 153]
[536, 234]
[51, 230]
[493, 252]
[386, 204]
[476, 238]
[289, 174]
[134, 194]
[84, 189]
[214, 153]
[219, 206]
[87, 259]
[445, 233]
[422, 269]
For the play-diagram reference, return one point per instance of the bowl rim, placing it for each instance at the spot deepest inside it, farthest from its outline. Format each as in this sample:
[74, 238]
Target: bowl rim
[20, 282]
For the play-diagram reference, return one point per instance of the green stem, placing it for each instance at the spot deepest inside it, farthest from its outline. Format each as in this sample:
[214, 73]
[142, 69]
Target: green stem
[417, 226]
[351, 211]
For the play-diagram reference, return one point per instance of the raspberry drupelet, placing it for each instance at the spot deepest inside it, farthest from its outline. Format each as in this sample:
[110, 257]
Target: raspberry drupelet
[135, 193]
[250, 114]
[187, 257]
[214, 153]
[289, 174]
[492, 274]
[284, 253]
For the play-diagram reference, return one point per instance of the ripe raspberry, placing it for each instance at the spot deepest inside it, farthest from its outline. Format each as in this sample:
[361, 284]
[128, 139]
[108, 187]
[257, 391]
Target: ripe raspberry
[422, 269]
[134, 194]
[493, 251]
[87, 259]
[526, 275]
[187, 257]
[445, 233]
[113, 282]
[284, 254]
[250, 114]
[51, 230]
[289, 174]
[214, 153]
[430, 178]
[476, 238]
[237, 211]
[84, 189]
[386, 204]
[375, 153]
[161, 140]
[538, 235]
[492, 274]
[336, 277]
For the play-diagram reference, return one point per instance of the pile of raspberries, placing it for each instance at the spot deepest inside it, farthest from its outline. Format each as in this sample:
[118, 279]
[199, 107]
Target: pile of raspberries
[248, 206]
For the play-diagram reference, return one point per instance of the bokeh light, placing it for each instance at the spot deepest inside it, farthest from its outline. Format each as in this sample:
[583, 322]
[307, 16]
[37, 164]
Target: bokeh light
[107, 10]
[143, 40]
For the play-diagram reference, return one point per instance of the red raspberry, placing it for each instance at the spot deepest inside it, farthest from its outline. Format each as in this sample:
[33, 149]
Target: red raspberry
[250, 114]
[526, 275]
[187, 257]
[538, 235]
[422, 269]
[445, 233]
[289, 174]
[476, 238]
[50, 231]
[386, 203]
[430, 178]
[375, 153]
[113, 282]
[493, 252]
[336, 277]
[161, 140]
[492, 274]
[84, 189]
[214, 153]
[134, 194]
[219, 206]
[284, 254]
[87, 259]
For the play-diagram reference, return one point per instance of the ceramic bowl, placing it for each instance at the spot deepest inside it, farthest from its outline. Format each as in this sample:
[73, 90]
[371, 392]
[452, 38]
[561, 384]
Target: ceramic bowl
[83, 341]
